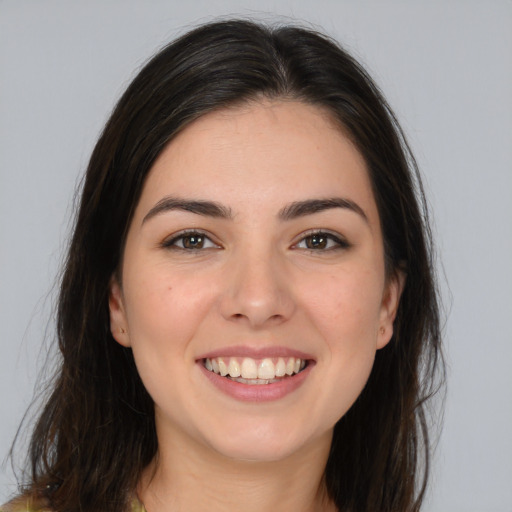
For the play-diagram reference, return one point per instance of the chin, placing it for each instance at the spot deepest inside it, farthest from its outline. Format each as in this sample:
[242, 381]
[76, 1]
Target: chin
[265, 443]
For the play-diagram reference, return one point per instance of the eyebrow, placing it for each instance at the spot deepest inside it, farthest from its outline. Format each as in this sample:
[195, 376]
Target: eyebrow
[289, 212]
[302, 208]
[199, 207]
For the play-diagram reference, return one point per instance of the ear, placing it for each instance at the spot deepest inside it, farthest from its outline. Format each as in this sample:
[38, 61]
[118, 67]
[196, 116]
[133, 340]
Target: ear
[389, 307]
[118, 324]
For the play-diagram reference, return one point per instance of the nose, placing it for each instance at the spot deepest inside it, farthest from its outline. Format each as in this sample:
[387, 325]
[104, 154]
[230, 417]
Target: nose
[257, 290]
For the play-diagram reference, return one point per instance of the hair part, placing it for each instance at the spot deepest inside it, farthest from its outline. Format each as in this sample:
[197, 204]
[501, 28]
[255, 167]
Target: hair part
[97, 432]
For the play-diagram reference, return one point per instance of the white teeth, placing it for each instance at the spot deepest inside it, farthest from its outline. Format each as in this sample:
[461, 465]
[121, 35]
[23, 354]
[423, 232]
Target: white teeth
[249, 371]
[266, 370]
[234, 367]
[223, 369]
[256, 381]
[280, 368]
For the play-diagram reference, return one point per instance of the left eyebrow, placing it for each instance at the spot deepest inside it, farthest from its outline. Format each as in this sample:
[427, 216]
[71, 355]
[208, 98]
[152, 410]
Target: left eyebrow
[310, 206]
[199, 207]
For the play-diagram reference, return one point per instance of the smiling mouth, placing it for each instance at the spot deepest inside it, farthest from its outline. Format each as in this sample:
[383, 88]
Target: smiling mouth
[255, 371]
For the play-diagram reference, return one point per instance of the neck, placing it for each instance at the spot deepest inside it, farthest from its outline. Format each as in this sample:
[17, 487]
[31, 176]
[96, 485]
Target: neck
[185, 477]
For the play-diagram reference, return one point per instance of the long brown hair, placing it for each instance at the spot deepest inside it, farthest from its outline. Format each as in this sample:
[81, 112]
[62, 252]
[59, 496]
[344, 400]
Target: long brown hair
[96, 432]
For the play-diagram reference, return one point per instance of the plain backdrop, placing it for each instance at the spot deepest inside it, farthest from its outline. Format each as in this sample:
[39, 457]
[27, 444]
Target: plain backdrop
[446, 68]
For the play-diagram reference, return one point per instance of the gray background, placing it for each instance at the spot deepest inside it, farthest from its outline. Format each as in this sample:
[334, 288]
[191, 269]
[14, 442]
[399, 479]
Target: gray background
[445, 67]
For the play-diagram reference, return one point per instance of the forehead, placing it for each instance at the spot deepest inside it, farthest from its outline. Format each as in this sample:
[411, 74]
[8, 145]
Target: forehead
[261, 153]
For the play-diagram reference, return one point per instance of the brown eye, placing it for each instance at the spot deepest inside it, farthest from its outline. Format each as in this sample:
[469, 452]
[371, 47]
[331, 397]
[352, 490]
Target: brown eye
[191, 241]
[316, 241]
[322, 242]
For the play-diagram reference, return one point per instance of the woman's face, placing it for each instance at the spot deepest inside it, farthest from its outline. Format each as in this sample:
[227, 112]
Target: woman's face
[253, 288]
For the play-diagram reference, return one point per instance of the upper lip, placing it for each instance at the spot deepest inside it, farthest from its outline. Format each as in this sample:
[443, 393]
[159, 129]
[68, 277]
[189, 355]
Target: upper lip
[255, 352]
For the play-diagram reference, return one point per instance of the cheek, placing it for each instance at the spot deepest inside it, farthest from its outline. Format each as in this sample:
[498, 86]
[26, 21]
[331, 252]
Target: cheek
[164, 311]
[346, 314]
[159, 296]
[345, 308]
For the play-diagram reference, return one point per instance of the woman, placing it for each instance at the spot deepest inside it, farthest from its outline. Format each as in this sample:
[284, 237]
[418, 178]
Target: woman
[248, 315]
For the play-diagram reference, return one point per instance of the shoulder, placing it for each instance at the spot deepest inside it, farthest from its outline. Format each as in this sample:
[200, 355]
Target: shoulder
[25, 503]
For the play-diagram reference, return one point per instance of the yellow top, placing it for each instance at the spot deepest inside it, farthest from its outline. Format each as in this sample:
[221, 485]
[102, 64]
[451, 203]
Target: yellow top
[25, 504]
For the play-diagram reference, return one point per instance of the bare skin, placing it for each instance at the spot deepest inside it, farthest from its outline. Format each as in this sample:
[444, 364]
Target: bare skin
[188, 480]
[256, 233]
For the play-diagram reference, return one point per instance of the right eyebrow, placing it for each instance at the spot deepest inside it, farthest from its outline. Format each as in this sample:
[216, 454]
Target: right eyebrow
[311, 206]
[205, 208]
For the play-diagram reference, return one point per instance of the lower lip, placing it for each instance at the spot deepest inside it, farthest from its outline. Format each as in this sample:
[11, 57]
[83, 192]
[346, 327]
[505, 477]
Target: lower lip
[257, 392]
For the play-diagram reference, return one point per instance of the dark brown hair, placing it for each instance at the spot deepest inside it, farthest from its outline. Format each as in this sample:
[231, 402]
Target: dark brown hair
[97, 432]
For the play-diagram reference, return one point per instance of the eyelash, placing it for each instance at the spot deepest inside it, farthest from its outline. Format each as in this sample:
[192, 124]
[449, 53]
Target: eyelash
[326, 241]
[189, 234]
[339, 242]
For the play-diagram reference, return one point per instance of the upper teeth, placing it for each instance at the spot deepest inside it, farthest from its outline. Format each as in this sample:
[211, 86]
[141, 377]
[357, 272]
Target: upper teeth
[249, 368]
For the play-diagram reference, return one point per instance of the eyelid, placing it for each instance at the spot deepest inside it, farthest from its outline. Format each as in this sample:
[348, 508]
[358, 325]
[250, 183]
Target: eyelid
[170, 241]
[340, 240]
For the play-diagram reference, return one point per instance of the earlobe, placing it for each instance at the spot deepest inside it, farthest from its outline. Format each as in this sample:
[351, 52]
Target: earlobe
[117, 314]
[389, 307]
